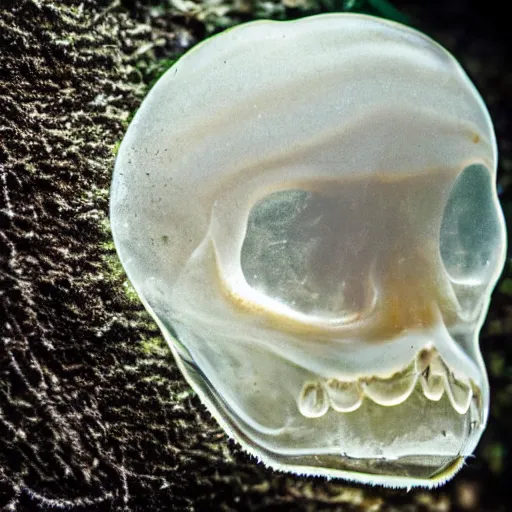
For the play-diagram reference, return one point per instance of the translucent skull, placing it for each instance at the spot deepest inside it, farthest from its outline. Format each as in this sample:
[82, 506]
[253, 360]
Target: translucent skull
[308, 210]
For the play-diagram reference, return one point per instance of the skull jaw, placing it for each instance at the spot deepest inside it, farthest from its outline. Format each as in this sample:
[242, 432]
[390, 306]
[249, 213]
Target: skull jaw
[251, 378]
[419, 442]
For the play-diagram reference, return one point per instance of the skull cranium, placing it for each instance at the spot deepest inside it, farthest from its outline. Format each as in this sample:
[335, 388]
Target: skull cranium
[308, 211]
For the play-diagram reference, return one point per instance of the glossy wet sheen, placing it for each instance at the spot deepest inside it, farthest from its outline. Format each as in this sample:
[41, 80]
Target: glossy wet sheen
[308, 210]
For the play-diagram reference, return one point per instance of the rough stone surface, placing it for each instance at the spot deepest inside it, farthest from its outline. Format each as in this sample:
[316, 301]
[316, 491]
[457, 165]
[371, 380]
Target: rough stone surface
[94, 414]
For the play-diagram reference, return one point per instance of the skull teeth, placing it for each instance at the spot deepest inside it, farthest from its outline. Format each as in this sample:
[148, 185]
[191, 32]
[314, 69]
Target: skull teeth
[433, 386]
[459, 392]
[313, 400]
[428, 371]
[433, 373]
[391, 391]
[344, 396]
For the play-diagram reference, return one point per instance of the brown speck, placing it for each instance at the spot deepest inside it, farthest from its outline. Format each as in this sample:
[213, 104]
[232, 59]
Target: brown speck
[467, 495]
[476, 138]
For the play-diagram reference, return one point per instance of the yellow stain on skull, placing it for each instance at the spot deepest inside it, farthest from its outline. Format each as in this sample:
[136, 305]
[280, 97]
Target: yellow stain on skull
[411, 297]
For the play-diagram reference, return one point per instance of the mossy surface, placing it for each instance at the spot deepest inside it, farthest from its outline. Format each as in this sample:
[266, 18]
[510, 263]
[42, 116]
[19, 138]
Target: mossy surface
[94, 414]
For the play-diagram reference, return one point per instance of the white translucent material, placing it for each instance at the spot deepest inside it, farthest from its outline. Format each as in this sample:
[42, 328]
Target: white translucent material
[308, 210]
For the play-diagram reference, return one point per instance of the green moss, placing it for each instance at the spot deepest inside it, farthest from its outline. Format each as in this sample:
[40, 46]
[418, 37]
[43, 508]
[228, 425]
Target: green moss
[496, 364]
[116, 146]
[104, 225]
[155, 346]
[130, 292]
[157, 380]
[156, 69]
[126, 122]
[114, 269]
[496, 455]
[185, 394]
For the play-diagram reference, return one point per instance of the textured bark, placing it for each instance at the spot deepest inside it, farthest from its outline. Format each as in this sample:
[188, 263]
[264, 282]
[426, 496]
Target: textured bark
[93, 412]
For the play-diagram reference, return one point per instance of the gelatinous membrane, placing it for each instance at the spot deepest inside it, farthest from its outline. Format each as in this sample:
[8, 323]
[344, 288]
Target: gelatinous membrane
[296, 205]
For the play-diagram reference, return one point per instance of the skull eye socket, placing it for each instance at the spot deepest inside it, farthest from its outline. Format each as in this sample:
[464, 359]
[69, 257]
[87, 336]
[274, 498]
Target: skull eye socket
[470, 237]
[311, 250]
[275, 252]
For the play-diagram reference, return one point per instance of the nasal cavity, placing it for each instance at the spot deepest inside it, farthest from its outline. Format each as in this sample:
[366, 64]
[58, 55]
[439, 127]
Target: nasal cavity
[309, 251]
